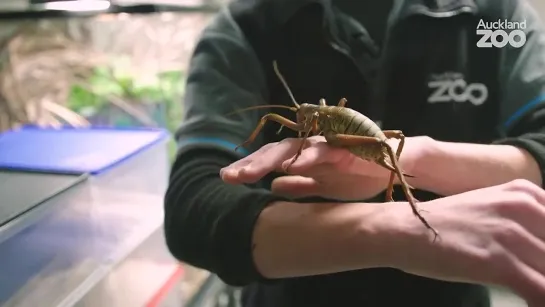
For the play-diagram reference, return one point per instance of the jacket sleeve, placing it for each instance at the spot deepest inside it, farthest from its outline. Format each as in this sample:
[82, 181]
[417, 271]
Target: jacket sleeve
[209, 223]
[522, 85]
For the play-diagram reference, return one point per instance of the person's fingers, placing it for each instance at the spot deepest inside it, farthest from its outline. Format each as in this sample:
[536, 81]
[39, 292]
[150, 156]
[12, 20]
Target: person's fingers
[340, 158]
[297, 186]
[318, 182]
[237, 165]
[528, 284]
[230, 173]
[523, 204]
[317, 153]
[307, 183]
[525, 186]
[269, 161]
[264, 160]
[530, 216]
[521, 263]
[525, 246]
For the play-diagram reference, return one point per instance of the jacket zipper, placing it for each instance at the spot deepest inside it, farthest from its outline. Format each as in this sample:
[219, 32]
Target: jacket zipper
[450, 13]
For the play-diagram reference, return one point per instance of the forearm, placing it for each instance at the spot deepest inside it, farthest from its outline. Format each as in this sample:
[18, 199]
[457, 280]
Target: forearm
[450, 168]
[301, 239]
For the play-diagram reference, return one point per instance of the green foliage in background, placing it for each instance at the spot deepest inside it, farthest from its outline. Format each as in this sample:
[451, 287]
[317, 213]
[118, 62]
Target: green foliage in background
[119, 82]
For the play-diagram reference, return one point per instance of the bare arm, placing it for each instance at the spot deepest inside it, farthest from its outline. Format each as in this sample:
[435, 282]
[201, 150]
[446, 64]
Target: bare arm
[293, 239]
[451, 168]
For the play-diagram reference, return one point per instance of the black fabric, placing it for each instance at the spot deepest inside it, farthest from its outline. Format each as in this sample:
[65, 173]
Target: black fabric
[529, 134]
[213, 227]
[375, 287]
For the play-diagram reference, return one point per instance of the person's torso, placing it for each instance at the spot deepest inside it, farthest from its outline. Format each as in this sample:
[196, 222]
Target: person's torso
[428, 78]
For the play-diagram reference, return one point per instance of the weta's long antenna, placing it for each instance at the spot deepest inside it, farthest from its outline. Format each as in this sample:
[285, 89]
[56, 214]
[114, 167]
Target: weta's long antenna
[279, 75]
[261, 107]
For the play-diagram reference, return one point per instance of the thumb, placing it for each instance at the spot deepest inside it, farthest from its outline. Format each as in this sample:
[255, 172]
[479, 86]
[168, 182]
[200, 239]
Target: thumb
[296, 186]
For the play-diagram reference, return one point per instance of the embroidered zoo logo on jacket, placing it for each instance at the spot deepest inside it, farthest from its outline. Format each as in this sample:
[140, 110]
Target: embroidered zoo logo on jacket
[452, 87]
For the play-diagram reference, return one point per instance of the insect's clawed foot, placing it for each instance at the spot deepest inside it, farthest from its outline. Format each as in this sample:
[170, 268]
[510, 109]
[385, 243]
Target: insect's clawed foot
[425, 222]
[417, 211]
[242, 145]
[408, 175]
[435, 234]
[286, 169]
[420, 211]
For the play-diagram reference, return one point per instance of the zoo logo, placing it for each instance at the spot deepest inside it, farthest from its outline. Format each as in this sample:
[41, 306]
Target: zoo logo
[457, 90]
[492, 31]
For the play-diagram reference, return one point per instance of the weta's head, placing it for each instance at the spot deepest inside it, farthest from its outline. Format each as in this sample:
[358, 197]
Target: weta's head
[306, 111]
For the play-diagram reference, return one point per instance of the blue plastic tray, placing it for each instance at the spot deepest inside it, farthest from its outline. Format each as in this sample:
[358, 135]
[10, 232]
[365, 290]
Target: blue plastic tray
[73, 150]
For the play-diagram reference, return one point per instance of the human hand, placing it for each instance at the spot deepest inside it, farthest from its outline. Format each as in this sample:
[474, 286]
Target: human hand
[493, 235]
[321, 170]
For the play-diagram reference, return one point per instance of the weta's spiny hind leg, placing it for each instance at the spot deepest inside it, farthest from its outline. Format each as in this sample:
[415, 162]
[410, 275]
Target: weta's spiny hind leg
[275, 118]
[393, 173]
[395, 134]
[357, 140]
[407, 191]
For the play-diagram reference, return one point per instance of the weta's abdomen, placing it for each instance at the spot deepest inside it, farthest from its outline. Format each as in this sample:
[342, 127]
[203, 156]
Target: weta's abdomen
[359, 124]
[351, 122]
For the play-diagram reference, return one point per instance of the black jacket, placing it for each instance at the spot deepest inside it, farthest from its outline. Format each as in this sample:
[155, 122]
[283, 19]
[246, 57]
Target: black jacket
[426, 76]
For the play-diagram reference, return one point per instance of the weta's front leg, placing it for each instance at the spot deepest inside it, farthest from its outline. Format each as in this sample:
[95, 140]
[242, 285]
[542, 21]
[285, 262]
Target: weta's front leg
[275, 118]
[312, 126]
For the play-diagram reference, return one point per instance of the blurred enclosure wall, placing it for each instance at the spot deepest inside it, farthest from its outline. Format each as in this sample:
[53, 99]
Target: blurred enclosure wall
[112, 70]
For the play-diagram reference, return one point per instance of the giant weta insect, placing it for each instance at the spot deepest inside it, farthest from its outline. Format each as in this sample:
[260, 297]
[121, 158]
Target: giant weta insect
[347, 128]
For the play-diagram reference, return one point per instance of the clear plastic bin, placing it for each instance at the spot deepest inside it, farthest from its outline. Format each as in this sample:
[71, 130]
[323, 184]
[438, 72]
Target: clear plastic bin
[55, 253]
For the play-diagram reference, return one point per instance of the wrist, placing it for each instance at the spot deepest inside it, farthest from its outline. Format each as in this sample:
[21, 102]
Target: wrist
[395, 231]
[426, 152]
[417, 159]
[324, 238]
